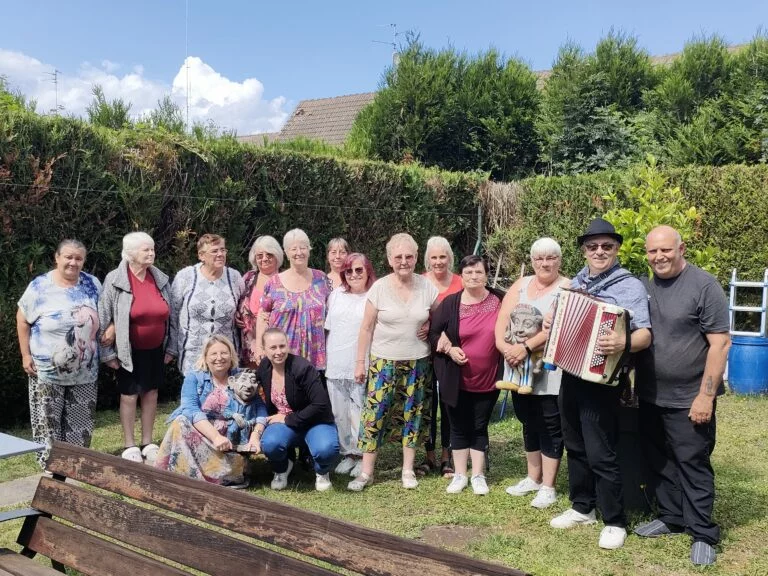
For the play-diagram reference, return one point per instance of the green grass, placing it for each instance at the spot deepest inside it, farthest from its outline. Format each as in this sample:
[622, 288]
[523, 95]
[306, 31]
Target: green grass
[508, 530]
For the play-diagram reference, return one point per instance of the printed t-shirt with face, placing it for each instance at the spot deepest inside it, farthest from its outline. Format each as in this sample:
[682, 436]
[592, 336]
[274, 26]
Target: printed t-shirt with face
[64, 322]
[397, 322]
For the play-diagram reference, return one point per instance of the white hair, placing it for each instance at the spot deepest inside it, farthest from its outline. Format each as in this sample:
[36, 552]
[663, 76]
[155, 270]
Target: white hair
[438, 243]
[266, 244]
[401, 238]
[295, 236]
[545, 247]
[132, 242]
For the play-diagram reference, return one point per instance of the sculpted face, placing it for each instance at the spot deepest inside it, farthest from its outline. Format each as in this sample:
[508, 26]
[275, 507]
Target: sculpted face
[525, 321]
[244, 385]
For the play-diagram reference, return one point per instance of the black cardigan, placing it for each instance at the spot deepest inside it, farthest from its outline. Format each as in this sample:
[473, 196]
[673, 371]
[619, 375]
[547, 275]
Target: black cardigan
[304, 392]
[446, 319]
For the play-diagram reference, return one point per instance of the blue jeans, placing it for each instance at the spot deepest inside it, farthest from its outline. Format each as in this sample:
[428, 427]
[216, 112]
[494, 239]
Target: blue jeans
[322, 441]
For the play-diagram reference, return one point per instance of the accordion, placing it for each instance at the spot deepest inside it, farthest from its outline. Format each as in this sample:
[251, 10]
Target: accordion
[578, 319]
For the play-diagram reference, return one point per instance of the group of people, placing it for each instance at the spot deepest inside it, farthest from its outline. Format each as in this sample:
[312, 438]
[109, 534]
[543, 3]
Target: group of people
[307, 366]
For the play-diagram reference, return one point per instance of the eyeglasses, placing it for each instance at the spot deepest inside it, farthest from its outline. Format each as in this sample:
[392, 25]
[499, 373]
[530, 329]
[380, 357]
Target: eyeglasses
[606, 247]
[406, 258]
[298, 248]
[217, 251]
[264, 256]
[354, 271]
[540, 259]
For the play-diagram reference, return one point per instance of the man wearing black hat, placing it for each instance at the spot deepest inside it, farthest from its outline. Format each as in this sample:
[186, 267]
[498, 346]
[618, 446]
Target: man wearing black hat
[678, 381]
[589, 411]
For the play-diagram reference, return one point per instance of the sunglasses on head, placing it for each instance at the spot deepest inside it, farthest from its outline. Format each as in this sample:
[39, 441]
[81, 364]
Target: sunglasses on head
[356, 271]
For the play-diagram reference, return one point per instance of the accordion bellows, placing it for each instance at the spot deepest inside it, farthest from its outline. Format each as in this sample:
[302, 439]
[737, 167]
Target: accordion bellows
[578, 320]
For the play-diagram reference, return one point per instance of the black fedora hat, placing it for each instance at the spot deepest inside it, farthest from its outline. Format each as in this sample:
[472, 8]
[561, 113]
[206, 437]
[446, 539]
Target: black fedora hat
[600, 227]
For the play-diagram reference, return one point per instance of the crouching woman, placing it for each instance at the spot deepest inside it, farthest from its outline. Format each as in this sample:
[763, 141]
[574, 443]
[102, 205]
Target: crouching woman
[193, 446]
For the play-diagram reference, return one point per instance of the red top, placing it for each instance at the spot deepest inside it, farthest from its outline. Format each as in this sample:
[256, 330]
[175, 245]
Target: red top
[478, 341]
[455, 286]
[149, 313]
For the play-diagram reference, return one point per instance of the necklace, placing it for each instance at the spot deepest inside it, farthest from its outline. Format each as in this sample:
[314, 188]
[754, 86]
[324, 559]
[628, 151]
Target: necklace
[538, 288]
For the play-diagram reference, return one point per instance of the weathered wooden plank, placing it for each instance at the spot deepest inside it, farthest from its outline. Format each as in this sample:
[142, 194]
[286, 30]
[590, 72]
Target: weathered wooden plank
[171, 538]
[334, 541]
[14, 564]
[91, 555]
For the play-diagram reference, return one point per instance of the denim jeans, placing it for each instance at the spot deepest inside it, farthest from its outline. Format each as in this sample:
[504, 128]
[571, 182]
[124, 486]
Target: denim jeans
[322, 441]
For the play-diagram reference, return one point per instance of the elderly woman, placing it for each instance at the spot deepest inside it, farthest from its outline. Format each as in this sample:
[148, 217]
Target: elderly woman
[193, 445]
[135, 306]
[468, 366]
[204, 300]
[538, 412]
[337, 252]
[295, 302]
[299, 413]
[400, 373]
[346, 307]
[266, 258]
[438, 263]
[57, 322]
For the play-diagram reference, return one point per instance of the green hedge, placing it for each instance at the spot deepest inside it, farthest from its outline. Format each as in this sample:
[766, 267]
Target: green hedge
[733, 199]
[61, 177]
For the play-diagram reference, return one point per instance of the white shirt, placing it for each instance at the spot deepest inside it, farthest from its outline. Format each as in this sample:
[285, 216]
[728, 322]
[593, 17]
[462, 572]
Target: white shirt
[345, 314]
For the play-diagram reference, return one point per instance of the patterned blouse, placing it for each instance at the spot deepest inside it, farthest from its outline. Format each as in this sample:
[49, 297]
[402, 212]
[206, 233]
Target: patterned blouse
[280, 401]
[301, 315]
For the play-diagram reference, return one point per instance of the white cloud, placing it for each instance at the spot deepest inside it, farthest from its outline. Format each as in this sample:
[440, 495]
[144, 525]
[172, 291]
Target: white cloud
[229, 104]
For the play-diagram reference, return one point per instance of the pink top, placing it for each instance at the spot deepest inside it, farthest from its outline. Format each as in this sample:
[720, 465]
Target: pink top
[476, 335]
[280, 401]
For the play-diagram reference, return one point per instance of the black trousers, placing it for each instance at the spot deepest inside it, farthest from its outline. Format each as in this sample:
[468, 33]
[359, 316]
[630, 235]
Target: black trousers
[589, 413]
[469, 419]
[445, 426]
[542, 426]
[678, 454]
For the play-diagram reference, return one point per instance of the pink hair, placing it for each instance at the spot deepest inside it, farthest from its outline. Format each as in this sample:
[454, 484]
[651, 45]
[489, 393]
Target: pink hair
[366, 264]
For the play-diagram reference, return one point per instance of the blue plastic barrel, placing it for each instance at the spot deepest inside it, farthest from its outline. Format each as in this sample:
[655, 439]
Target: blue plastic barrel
[748, 365]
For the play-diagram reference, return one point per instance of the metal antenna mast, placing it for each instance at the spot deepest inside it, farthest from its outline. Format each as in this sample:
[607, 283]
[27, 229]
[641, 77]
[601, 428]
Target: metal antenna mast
[55, 79]
[393, 43]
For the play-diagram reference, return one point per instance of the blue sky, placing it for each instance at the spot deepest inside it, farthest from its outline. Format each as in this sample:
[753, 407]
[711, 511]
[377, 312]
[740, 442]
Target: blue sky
[254, 60]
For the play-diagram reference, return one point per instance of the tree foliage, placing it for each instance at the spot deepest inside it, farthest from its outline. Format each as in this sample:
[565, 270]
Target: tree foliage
[101, 112]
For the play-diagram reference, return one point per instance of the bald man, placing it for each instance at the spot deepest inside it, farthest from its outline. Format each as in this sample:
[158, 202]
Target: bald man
[678, 380]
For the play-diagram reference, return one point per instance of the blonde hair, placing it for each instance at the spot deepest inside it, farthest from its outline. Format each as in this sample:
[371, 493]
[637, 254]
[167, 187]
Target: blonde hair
[202, 365]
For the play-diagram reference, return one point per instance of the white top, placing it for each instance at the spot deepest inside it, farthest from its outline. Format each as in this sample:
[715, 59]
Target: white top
[546, 382]
[345, 314]
[397, 322]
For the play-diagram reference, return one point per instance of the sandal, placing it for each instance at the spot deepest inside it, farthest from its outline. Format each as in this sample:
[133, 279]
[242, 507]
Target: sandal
[425, 468]
[132, 453]
[446, 469]
[149, 453]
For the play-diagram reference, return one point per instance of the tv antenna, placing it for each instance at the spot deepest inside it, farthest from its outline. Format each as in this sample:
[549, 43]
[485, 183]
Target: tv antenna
[393, 43]
[55, 79]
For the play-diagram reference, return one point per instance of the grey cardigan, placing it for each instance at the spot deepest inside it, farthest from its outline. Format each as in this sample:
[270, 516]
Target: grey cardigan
[115, 306]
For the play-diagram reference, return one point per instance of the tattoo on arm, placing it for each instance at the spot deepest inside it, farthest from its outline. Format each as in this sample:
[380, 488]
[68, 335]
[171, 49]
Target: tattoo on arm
[710, 385]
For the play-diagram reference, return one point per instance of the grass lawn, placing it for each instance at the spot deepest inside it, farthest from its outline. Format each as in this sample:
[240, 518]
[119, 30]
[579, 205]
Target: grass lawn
[504, 529]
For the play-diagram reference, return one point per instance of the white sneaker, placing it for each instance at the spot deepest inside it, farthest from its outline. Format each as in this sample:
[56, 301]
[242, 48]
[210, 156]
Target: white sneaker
[322, 482]
[345, 465]
[545, 497]
[458, 483]
[525, 486]
[612, 537]
[359, 483]
[479, 485]
[280, 480]
[357, 469]
[571, 518]
[409, 479]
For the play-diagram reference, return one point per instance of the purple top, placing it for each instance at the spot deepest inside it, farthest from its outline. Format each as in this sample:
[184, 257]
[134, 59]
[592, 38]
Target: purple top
[301, 315]
[478, 340]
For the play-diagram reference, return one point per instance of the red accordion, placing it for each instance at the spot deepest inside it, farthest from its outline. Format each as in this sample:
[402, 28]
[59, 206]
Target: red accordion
[578, 320]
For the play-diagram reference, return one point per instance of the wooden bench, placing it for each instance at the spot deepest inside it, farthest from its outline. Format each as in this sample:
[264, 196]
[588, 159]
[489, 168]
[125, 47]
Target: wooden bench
[191, 524]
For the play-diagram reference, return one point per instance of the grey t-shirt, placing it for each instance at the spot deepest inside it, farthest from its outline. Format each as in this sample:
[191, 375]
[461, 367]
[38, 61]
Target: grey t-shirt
[684, 310]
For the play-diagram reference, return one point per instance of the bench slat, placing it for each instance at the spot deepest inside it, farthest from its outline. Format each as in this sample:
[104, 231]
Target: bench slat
[14, 564]
[334, 541]
[91, 555]
[193, 546]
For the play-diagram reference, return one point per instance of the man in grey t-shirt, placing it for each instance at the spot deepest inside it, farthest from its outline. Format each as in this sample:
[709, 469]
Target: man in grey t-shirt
[678, 380]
